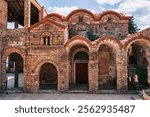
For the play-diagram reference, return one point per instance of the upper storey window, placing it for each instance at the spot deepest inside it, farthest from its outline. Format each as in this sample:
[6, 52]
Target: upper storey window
[46, 39]
[81, 19]
[109, 20]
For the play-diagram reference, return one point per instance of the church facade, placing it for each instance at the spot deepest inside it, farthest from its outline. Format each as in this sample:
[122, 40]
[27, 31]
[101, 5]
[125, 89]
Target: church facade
[83, 50]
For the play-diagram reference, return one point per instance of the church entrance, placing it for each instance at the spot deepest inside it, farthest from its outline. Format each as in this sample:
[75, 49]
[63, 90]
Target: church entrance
[79, 68]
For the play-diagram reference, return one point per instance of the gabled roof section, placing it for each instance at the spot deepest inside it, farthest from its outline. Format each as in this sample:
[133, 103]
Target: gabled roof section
[47, 21]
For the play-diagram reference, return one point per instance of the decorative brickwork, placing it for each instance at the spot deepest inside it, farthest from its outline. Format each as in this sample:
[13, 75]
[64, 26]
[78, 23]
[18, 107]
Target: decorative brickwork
[50, 57]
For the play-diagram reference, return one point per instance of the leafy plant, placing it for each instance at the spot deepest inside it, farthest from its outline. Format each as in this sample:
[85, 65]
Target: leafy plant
[142, 75]
[72, 33]
[132, 27]
[90, 34]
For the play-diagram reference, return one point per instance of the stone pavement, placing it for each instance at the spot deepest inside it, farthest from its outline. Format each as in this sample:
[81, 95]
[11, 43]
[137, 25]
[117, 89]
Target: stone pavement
[70, 96]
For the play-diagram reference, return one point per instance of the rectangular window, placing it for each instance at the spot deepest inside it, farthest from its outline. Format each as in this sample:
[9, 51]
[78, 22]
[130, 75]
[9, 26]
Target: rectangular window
[48, 40]
[44, 40]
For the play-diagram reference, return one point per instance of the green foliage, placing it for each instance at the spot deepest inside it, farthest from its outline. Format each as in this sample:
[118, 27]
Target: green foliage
[90, 34]
[142, 75]
[72, 33]
[132, 27]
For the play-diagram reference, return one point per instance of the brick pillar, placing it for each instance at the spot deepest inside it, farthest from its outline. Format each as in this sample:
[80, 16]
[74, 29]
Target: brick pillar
[93, 70]
[63, 73]
[122, 72]
[41, 14]
[3, 14]
[27, 13]
[28, 75]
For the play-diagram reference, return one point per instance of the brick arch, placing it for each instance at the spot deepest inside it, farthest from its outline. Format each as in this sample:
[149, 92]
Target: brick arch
[80, 10]
[38, 66]
[107, 61]
[10, 50]
[139, 38]
[120, 16]
[77, 40]
[109, 41]
[78, 50]
[61, 17]
[72, 52]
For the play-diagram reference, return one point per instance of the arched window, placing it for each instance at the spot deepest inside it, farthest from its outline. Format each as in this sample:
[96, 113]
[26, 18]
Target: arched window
[46, 39]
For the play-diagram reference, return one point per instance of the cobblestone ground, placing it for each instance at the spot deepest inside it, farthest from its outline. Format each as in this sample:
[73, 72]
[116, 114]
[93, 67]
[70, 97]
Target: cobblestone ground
[71, 96]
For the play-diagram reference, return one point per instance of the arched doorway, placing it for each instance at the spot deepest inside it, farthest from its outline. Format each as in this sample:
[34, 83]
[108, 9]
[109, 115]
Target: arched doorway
[107, 67]
[137, 65]
[48, 77]
[79, 68]
[14, 71]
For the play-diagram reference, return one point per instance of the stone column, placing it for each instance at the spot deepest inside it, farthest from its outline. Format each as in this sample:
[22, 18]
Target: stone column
[16, 74]
[122, 72]
[16, 24]
[27, 13]
[93, 70]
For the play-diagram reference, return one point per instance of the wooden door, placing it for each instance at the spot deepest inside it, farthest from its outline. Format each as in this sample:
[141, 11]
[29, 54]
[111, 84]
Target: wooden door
[81, 73]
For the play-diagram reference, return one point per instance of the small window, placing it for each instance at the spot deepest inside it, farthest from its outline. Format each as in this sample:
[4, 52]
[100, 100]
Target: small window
[80, 18]
[46, 40]
[109, 19]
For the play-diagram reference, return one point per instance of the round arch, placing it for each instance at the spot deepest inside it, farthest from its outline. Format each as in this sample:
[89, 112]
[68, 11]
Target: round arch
[46, 38]
[138, 48]
[77, 40]
[80, 10]
[60, 17]
[38, 67]
[120, 16]
[6, 53]
[79, 63]
[39, 64]
[139, 38]
[9, 50]
[108, 48]
[109, 41]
